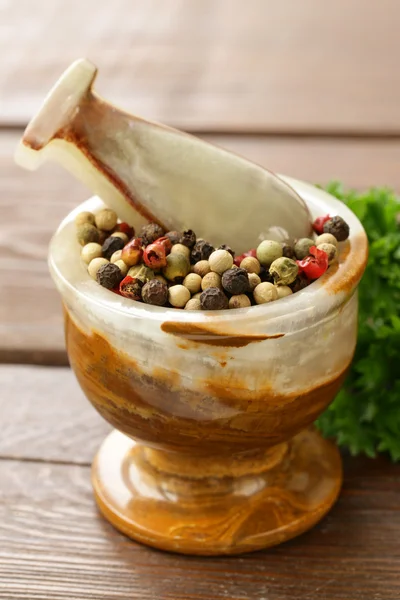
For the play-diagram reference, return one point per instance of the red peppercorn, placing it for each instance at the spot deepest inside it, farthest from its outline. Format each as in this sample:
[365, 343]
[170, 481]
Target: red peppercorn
[155, 256]
[315, 265]
[125, 228]
[318, 224]
[166, 242]
[238, 259]
[130, 287]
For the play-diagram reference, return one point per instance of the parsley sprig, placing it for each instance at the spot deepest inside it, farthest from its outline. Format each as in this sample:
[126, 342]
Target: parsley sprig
[365, 416]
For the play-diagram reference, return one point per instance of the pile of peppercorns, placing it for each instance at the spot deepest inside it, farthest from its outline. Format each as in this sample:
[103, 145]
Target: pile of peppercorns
[179, 270]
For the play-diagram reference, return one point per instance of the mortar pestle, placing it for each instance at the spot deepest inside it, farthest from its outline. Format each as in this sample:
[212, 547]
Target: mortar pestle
[214, 452]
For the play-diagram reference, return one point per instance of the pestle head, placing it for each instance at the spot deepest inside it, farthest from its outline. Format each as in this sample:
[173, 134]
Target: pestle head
[147, 171]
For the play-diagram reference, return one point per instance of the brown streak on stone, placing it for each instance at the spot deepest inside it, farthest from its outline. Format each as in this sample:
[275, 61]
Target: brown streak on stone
[205, 335]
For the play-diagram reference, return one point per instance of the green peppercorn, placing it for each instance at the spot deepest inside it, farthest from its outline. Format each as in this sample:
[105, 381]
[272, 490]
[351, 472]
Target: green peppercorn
[188, 238]
[337, 227]
[150, 233]
[155, 292]
[268, 251]
[87, 233]
[141, 272]
[236, 281]
[109, 275]
[202, 250]
[284, 270]
[111, 245]
[302, 247]
[177, 268]
[213, 299]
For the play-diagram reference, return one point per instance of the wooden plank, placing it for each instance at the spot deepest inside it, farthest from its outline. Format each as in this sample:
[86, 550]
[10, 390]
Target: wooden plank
[54, 546]
[217, 65]
[45, 416]
[32, 205]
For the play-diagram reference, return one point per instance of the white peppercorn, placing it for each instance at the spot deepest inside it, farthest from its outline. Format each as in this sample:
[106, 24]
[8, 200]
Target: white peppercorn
[201, 268]
[178, 296]
[181, 249]
[283, 291]
[193, 304]
[192, 282]
[251, 265]
[326, 238]
[265, 292]
[116, 256]
[121, 235]
[254, 280]
[122, 266]
[90, 251]
[106, 219]
[211, 280]
[95, 265]
[220, 261]
[239, 301]
[84, 217]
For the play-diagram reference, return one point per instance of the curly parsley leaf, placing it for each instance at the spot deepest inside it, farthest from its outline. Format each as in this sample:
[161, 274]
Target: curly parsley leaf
[365, 415]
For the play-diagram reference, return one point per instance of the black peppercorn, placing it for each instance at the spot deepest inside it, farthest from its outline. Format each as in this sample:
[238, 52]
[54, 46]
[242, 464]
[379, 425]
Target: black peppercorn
[288, 251]
[109, 276]
[150, 233]
[299, 283]
[337, 227]
[188, 238]
[155, 292]
[111, 245]
[236, 281]
[174, 237]
[202, 250]
[265, 275]
[213, 299]
[228, 249]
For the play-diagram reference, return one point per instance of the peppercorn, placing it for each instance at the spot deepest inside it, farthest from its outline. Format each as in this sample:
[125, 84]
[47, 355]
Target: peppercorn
[111, 245]
[84, 217]
[284, 270]
[326, 238]
[177, 268]
[160, 278]
[193, 304]
[166, 242]
[283, 291]
[265, 292]
[95, 265]
[109, 276]
[90, 251]
[130, 287]
[213, 299]
[103, 235]
[239, 301]
[192, 282]
[197, 296]
[125, 228]
[132, 253]
[299, 283]
[121, 235]
[236, 281]
[141, 272]
[106, 219]
[201, 251]
[155, 292]
[254, 280]
[227, 248]
[201, 268]
[288, 251]
[122, 266]
[268, 251]
[211, 280]
[265, 275]
[220, 261]
[150, 232]
[319, 222]
[251, 265]
[178, 296]
[116, 256]
[174, 236]
[154, 256]
[331, 251]
[337, 227]
[302, 247]
[188, 238]
[87, 233]
[181, 249]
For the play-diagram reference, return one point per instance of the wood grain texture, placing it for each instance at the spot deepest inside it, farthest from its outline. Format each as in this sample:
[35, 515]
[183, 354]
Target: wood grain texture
[45, 416]
[32, 205]
[54, 546]
[219, 65]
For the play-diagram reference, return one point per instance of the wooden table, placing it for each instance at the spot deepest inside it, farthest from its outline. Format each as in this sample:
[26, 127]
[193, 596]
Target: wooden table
[306, 88]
